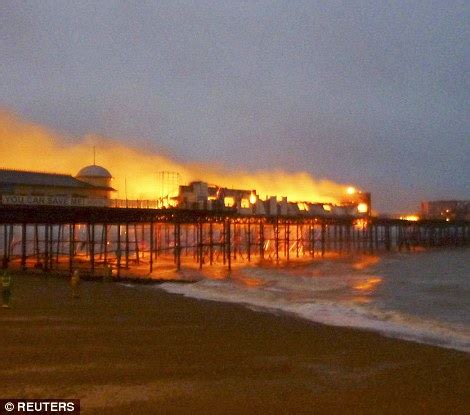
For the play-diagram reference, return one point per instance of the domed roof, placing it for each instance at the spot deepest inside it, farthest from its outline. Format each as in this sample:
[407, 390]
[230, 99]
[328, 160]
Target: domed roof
[94, 171]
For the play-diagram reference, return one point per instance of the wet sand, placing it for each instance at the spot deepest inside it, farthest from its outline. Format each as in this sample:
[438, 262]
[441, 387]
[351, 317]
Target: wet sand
[139, 350]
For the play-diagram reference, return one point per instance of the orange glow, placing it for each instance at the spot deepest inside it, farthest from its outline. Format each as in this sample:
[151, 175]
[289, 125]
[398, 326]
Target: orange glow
[360, 223]
[229, 201]
[351, 190]
[327, 208]
[248, 281]
[368, 285]
[252, 198]
[137, 166]
[245, 203]
[412, 218]
[365, 262]
[302, 206]
[362, 208]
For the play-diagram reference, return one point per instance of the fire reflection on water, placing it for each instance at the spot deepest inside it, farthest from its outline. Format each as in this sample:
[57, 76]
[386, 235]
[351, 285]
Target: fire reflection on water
[365, 289]
[368, 285]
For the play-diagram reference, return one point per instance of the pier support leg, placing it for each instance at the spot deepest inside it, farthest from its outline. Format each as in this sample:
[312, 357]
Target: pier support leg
[46, 248]
[127, 246]
[211, 243]
[276, 241]
[248, 241]
[151, 241]
[200, 245]
[105, 244]
[5, 247]
[297, 240]
[118, 251]
[261, 239]
[388, 241]
[92, 248]
[287, 239]
[23, 246]
[71, 246]
[228, 244]
[178, 246]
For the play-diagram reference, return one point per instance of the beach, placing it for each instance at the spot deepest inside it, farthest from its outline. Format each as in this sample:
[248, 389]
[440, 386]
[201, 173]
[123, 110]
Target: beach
[136, 349]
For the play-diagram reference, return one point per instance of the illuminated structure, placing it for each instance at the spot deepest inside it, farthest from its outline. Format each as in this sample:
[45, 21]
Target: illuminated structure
[91, 187]
[202, 196]
[446, 209]
[95, 175]
[47, 221]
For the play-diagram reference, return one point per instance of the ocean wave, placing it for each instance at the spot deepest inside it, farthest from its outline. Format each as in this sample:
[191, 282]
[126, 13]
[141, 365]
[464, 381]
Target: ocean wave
[330, 299]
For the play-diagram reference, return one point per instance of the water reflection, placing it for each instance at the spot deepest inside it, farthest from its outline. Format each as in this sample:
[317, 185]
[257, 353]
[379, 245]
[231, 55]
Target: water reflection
[365, 289]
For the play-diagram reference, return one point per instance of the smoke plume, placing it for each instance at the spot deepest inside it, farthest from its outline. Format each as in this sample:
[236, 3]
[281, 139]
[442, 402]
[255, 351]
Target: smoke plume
[28, 146]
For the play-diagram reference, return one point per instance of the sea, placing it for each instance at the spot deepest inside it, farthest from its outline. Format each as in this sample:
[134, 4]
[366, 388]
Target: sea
[419, 296]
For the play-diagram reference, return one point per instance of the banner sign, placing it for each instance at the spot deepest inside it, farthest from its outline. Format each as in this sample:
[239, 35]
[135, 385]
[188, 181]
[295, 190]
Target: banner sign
[31, 200]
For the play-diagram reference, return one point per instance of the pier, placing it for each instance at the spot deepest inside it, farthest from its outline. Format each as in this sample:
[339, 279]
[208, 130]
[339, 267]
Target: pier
[138, 242]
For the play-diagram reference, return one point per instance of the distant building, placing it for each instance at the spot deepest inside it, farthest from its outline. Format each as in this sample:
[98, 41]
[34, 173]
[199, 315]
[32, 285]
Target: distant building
[446, 209]
[91, 187]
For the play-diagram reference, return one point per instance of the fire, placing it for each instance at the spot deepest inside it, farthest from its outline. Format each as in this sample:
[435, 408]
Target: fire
[351, 190]
[252, 198]
[360, 223]
[411, 218]
[136, 170]
[362, 208]
[229, 201]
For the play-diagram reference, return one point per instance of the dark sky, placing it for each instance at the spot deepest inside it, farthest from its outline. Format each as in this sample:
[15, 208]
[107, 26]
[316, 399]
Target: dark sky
[367, 92]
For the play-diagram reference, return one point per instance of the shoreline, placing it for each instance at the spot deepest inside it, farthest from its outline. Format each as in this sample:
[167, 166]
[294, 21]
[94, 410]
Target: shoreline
[291, 314]
[357, 263]
[140, 350]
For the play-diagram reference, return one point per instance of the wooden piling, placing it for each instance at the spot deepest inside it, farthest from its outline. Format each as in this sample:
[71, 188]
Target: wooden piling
[228, 244]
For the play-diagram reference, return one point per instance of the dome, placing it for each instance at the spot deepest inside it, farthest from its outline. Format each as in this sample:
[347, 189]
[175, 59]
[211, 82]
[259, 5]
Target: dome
[94, 171]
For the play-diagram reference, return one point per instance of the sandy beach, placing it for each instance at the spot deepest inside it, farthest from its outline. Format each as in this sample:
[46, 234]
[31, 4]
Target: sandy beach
[125, 349]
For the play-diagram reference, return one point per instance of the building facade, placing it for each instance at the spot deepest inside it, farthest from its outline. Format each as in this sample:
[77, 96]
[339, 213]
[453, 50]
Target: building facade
[446, 209]
[91, 187]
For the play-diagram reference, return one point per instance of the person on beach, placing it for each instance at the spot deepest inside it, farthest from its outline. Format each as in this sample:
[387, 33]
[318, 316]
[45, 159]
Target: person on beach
[6, 289]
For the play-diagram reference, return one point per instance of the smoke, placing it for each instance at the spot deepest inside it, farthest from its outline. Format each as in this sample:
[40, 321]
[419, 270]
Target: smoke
[28, 146]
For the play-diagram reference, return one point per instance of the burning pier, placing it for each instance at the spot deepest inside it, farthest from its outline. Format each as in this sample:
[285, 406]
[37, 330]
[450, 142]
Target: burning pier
[60, 223]
[138, 243]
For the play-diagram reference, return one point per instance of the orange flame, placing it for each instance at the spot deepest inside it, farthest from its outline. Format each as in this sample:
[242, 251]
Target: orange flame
[29, 146]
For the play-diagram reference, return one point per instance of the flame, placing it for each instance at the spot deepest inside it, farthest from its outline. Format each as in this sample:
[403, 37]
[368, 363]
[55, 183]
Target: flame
[28, 146]
[351, 190]
[229, 201]
[360, 223]
[411, 218]
[252, 198]
[245, 203]
[362, 207]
